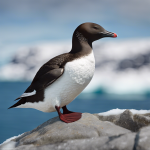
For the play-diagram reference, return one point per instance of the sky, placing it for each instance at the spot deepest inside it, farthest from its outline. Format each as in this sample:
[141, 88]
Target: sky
[28, 22]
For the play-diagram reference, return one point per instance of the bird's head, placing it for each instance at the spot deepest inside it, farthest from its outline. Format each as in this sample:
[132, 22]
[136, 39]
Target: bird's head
[92, 32]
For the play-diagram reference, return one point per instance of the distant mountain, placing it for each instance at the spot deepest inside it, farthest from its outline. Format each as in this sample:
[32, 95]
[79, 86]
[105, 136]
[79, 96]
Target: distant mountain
[121, 67]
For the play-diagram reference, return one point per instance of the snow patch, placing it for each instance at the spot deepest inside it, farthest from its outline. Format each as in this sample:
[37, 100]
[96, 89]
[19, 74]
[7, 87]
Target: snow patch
[119, 111]
[9, 144]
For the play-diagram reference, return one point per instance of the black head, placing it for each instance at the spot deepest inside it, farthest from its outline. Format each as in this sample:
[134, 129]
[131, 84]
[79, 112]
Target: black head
[92, 32]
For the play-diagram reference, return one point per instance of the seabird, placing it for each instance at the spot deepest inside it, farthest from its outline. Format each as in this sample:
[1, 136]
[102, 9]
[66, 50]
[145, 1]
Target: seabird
[60, 80]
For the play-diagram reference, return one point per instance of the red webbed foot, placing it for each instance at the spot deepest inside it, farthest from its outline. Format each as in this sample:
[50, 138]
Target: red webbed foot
[68, 116]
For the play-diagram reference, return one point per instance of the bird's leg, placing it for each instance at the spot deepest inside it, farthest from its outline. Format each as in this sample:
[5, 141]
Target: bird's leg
[66, 111]
[68, 116]
[58, 110]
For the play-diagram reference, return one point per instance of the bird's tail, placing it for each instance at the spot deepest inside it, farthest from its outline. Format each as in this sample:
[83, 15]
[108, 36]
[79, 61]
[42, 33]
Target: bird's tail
[39, 96]
[21, 101]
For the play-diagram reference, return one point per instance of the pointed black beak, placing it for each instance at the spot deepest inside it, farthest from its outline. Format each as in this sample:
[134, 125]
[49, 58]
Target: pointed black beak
[108, 34]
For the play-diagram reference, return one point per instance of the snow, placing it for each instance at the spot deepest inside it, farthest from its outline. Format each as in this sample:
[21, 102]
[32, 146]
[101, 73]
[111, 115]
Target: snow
[119, 111]
[9, 144]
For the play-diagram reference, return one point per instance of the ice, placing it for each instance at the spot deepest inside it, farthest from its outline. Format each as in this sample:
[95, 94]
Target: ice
[122, 67]
[119, 111]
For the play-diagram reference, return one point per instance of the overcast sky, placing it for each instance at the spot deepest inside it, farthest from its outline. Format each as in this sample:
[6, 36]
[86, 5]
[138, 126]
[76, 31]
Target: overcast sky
[48, 18]
[24, 22]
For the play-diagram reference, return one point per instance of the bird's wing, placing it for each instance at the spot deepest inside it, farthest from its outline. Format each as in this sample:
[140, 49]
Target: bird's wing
[43, 78]
[46, 79]
[35, 92]
[46, 75]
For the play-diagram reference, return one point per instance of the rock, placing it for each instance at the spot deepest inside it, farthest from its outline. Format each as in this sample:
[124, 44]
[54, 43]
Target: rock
[142, 120]
[121, 142]
[128, 120]
[54, 130]
[142, 139]
[91, 132]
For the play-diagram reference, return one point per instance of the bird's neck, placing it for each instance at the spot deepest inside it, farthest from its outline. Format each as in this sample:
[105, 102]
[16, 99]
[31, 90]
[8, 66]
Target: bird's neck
[80, 44]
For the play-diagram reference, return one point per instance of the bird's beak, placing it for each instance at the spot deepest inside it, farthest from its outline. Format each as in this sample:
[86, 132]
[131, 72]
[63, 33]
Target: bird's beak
[109, 34]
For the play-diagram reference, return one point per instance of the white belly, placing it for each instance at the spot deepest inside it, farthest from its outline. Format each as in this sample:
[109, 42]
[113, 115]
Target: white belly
[77, 75]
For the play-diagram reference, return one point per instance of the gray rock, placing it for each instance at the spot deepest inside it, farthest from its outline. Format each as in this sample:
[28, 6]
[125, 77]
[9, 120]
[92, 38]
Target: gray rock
[121, 142]
[142, 141]
[54, 130]
[128, 120]
[142, 120]
[91, 132]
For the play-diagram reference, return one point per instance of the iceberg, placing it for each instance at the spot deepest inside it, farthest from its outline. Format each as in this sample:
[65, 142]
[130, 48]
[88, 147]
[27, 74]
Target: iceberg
[122, 67]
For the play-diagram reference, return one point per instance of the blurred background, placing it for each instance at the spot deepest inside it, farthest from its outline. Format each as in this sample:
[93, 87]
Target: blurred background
[34, 31]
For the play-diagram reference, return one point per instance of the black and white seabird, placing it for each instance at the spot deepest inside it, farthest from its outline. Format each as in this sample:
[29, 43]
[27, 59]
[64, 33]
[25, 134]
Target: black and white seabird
[59, 81]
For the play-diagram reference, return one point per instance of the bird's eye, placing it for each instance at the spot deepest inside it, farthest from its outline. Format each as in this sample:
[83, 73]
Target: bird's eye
[95, 27]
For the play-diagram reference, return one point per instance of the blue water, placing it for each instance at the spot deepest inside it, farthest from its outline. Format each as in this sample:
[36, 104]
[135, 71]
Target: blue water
[17, 121]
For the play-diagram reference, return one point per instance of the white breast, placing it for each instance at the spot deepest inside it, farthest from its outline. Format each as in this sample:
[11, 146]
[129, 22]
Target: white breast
[77, 75]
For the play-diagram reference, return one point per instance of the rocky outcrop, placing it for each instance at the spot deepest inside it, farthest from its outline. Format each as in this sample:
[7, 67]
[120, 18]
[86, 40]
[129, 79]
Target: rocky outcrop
[54, 130]
[92, 132]
[128, 120]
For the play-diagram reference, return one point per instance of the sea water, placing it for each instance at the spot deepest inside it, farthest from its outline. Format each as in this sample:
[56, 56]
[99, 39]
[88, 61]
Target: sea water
[16, 121]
